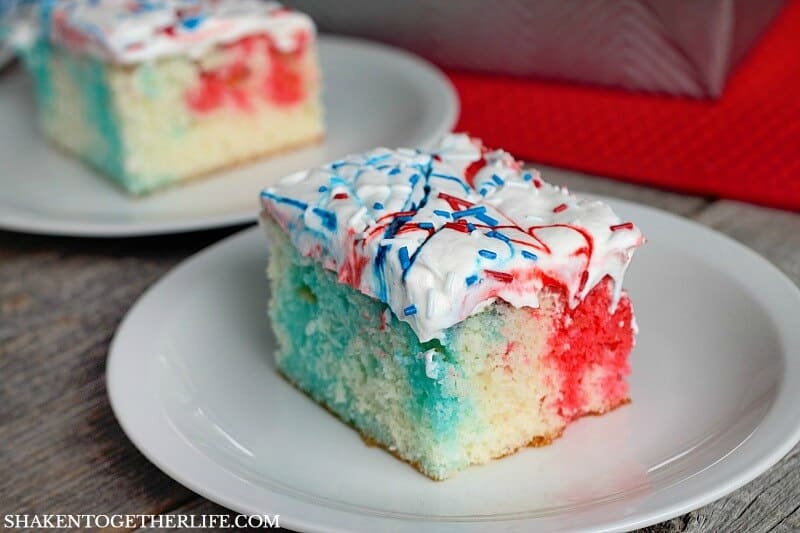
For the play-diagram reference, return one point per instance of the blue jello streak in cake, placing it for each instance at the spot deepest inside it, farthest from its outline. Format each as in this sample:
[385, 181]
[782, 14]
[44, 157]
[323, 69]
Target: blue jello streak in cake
[430, 404]
[89, 75]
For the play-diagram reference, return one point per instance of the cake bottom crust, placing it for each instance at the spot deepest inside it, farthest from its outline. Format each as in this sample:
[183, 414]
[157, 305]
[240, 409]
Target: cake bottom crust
[199, 176]
[537, 441]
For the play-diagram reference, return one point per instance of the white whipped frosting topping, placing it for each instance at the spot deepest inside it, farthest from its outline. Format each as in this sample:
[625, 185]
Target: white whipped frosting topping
[133, 31]
[439, 235]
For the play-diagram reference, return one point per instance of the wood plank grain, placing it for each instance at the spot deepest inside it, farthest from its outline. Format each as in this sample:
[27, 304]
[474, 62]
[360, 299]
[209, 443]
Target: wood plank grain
[61, 450]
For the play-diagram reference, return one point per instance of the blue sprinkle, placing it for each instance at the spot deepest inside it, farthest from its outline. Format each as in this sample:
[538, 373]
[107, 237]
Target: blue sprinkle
[443, 214]
[486, 219]
[404, 218]
[473, 211]
[414, 179]
[410, 310]
[472, 280]
[483, 191]
[470, 227]
[377, 206]
[322, 188]
[402, 254]
[378, 158]
[527, 255]
[497, 235]
[191, 23]
[488, 254]
[284, 200]
[328, 218]
[425, 225]
[395, 171]
[497, 179]
[527, 176]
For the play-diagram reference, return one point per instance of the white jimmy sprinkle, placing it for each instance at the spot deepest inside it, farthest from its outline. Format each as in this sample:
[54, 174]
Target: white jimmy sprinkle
[431, 366]
[431, 305]
[448, 282]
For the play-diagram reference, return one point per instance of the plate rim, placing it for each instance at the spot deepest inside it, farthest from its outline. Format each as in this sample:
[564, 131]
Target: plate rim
[13, 218]
[753, 467]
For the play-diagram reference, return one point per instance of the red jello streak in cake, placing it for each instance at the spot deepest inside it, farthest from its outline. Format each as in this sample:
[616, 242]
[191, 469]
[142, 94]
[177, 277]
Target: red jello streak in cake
[221, 85]
[282, 85]
[353, 268]
[586, 336]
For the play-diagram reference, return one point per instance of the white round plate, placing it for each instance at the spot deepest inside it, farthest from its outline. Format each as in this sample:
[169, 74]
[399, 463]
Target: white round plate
[715, 378]
[374, 95]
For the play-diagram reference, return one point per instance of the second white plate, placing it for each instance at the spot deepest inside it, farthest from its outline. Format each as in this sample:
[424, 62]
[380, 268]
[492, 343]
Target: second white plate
[374, 95]
[716, 372]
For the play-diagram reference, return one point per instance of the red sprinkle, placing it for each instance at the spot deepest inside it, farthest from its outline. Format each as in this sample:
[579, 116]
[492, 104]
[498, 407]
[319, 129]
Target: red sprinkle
[472, 169]
[499, 276]
[625, 225]
[285, 84]
[391, 216]
[341, 196]
[584, 279]
[455, 203]
[461, 226]
[559, 208]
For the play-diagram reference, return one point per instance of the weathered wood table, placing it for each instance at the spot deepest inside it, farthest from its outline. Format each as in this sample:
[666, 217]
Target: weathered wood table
[62, 451]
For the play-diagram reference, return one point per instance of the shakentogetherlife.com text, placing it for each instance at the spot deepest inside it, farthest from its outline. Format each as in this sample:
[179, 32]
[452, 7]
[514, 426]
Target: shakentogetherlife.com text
[133, 521]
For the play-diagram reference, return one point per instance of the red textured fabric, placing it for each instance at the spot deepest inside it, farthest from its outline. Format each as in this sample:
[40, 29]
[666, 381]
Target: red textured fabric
[744, 146]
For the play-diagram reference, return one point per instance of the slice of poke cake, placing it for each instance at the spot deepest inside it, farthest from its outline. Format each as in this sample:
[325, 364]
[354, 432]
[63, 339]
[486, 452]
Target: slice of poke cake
[450, 305]
[154, 92]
